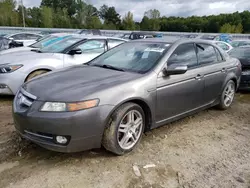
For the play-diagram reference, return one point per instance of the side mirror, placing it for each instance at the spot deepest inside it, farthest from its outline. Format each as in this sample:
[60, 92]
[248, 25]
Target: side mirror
[174, 69]
[75, 51]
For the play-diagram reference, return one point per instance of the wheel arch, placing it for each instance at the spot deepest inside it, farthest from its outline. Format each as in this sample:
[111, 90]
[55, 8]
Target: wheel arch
[143, 104]
[38, 69]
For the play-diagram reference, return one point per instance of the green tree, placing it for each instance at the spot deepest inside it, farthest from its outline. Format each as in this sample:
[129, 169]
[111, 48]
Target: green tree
[46, 17]
[128, 22]
[69, 5]
[145, 24]
[8, 14]
[154, 19]
[228, 28]
[111, 18]
[61, 19]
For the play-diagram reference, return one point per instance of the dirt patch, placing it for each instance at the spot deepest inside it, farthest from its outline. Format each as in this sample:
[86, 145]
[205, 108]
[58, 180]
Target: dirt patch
[210, 149]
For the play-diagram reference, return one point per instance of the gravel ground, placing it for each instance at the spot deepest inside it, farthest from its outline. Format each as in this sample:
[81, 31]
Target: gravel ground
[210, 149]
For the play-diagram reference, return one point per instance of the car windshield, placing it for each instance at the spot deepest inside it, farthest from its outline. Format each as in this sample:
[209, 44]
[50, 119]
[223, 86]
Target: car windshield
[61, 45]
[138, 57]
[45, 41]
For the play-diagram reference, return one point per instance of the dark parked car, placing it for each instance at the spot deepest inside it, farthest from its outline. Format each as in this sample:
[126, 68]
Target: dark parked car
[135, 87]
[243, 54]
[142, 35]
[90, 32]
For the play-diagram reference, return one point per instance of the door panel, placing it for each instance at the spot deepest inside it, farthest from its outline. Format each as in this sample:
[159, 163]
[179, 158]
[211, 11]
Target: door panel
[178, 94]
[214, 71]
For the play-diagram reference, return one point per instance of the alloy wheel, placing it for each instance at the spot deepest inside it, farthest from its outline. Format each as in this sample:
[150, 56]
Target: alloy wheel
[130, 129]
[229, 94]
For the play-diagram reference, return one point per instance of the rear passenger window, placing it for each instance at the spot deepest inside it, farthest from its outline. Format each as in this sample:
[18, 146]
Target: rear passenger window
[219, 57]
[206, 54]
[185, 55]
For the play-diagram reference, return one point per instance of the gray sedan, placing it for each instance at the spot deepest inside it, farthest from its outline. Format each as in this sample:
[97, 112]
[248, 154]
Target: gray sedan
[137, 86]
[17, 68]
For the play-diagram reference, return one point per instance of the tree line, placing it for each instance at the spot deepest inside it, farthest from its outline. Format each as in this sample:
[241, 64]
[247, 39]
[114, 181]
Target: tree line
[79, 14]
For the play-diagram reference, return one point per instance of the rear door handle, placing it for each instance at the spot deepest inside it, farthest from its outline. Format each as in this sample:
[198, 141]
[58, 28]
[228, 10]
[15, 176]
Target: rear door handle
[198, 77]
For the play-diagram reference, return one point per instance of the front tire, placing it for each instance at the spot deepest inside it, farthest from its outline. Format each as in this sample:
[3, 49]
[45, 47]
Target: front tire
[125, 129]
[227, 96]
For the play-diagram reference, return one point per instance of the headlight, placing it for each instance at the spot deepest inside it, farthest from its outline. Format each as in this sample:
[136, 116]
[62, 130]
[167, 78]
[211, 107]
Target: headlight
[9, 68]
[68, 107]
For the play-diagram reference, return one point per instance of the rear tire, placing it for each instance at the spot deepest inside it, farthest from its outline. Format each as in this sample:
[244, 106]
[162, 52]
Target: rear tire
[35, 74]
[125, 129]
[227, 96]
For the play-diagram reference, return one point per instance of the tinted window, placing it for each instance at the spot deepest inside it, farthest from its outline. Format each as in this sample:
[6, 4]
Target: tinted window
[206, 54]
[92, 46]
[184, 54]
[135, 57]
[219, 57]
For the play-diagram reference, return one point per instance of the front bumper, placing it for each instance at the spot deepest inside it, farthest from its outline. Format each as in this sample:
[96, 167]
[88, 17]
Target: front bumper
[84, 129]
[11, 82]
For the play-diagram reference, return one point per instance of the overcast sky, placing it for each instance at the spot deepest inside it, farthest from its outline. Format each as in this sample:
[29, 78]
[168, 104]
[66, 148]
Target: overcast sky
[168, 7]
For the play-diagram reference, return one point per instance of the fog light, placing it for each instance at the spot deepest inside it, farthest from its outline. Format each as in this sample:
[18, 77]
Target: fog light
[61, 139]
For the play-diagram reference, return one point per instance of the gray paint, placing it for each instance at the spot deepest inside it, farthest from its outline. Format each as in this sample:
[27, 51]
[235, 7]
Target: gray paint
[168, 98]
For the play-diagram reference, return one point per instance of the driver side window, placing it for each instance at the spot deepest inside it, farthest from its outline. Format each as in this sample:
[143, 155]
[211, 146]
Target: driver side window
[93, 46]
[184, 54]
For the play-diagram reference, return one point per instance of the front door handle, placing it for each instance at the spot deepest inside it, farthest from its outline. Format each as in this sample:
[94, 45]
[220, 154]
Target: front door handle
[198, 77]
[223, 70]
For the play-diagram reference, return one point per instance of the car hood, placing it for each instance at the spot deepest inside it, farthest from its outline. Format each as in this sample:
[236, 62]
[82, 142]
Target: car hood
[24, 57]
[75, 83]
[14, 50]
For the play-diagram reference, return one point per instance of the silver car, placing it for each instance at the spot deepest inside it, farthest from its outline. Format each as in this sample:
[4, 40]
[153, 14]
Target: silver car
[17, 68]
[43, 42]
[135, 87]
[26, 38]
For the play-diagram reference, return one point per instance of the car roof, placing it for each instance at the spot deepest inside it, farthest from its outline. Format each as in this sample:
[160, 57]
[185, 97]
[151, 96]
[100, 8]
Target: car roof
[173, 40]
[23, 33]
[97, 37]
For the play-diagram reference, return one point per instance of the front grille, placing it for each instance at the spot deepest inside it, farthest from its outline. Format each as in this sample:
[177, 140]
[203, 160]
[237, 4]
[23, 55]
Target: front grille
[24, 100]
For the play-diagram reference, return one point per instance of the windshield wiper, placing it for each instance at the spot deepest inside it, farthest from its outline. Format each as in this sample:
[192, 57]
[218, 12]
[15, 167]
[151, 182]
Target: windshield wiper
[110, 67]
[36, 50]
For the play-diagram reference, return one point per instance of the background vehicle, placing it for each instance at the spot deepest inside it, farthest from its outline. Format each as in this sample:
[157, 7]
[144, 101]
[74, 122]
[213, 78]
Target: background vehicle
[43, 42]
[90, 32]
[137, 86]
[24, 37]
[238, 43]
[225, 46]
[17, 68]
[6, 43]
[141, 35]
[243, 54]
